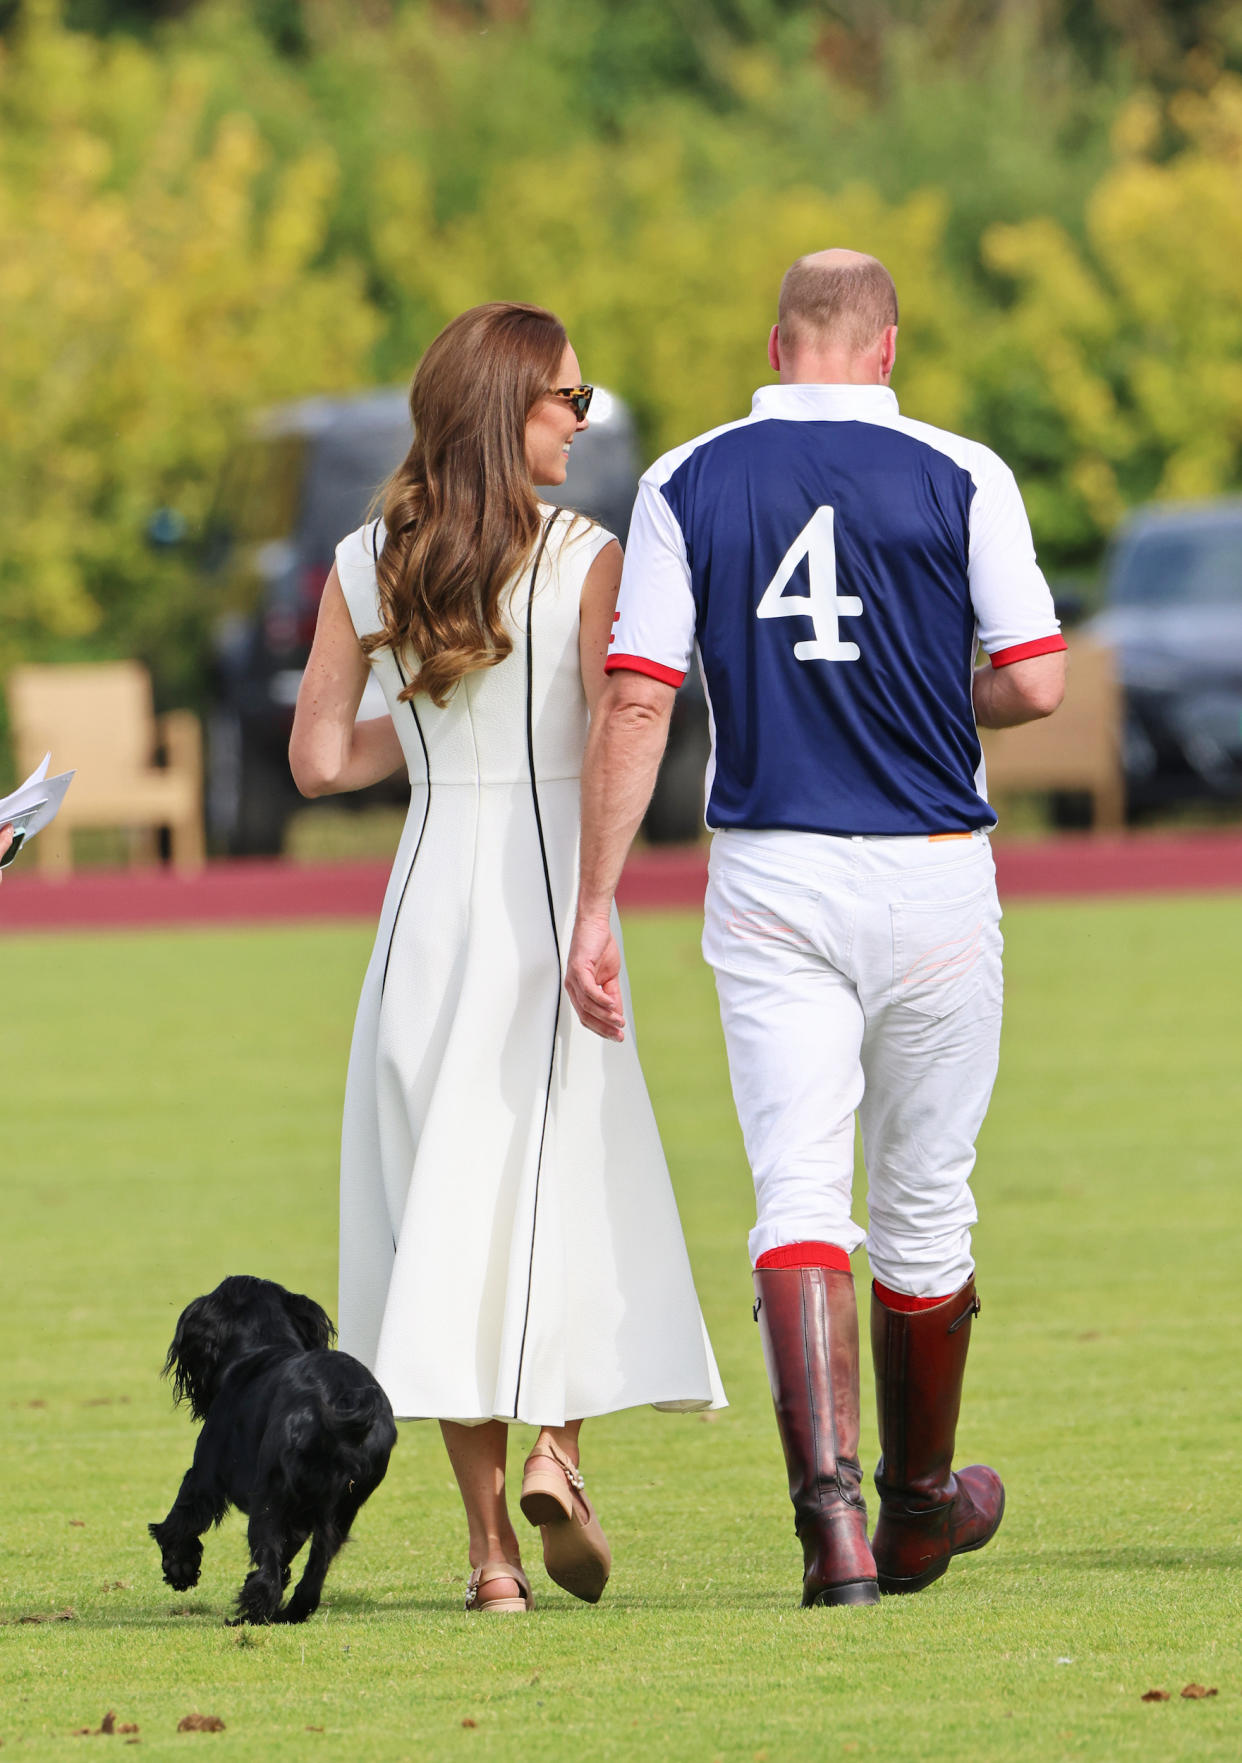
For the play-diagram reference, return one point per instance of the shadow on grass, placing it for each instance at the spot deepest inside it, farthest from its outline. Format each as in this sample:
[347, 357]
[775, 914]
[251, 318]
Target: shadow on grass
[1140, 1559]
[547, 1605]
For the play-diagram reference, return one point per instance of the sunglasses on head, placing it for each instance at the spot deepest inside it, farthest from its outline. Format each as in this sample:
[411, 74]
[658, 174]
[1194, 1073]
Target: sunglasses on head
[577, 397]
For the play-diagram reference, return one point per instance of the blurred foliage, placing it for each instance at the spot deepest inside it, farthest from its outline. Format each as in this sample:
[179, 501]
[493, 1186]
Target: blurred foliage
[159, 276]
[676, 314]
[1116, 375]
[205, 208]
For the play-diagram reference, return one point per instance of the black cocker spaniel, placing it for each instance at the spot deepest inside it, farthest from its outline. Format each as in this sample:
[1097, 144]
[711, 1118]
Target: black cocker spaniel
[296, 1435]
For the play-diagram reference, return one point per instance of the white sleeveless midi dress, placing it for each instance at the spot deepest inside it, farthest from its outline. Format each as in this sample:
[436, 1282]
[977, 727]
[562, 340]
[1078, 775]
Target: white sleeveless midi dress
[510, 1243]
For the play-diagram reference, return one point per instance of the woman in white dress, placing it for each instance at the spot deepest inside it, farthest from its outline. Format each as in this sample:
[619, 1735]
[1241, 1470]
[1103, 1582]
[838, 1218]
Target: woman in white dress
[510, 1245]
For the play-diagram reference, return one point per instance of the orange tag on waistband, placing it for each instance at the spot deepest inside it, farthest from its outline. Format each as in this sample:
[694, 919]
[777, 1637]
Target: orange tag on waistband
[939, 838]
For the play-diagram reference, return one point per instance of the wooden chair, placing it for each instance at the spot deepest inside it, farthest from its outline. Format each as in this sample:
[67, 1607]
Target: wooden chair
[1078, 748]
[99, 719]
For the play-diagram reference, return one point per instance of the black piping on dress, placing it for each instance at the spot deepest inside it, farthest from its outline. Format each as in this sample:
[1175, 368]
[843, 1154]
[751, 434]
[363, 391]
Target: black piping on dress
[418, 843]
[556, 941]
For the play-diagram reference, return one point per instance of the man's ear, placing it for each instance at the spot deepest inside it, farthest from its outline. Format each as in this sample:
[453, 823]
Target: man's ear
[888, 353]
[774, 349]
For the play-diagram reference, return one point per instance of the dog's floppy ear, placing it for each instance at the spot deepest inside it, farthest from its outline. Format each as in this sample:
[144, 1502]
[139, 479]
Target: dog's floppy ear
[194, 1356]
[314, 1326]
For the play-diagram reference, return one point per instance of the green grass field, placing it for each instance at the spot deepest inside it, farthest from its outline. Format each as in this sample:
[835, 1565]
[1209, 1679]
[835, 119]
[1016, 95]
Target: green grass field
[170, 1115]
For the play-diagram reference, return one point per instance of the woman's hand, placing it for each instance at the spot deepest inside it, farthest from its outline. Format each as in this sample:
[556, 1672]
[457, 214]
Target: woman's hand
[6, 839]
[329, 752]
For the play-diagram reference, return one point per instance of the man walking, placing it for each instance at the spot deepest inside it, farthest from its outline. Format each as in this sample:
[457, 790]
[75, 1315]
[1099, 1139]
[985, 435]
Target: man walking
[836, 565]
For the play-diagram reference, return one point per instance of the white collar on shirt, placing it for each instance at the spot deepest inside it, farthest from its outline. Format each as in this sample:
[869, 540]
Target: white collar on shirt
[807, 403]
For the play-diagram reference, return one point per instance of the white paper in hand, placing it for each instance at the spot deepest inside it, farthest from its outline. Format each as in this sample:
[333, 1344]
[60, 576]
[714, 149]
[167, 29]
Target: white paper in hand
[32, 805]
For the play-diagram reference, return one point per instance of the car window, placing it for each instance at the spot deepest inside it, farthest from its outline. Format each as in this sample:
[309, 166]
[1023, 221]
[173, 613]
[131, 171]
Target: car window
[345, 472]
[1202, 568]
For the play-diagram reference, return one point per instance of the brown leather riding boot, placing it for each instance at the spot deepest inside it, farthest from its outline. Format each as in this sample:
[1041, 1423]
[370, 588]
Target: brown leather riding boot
[808, 1321]
[927, 1513]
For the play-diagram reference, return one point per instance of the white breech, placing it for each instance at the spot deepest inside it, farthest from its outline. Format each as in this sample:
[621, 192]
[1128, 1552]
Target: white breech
[860, 976]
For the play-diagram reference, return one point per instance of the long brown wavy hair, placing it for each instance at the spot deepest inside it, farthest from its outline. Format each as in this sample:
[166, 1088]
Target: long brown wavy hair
[460, 512]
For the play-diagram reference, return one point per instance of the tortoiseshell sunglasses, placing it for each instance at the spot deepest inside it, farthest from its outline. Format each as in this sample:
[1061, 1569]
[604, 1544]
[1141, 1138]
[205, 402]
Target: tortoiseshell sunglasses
[577, 397]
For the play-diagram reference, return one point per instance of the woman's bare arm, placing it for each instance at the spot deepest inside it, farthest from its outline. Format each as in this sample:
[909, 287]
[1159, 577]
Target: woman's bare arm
[598, 603]
[328, 751]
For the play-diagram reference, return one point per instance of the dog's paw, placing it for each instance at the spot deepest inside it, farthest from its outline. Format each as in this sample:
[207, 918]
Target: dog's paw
[182, 1566]
[258, 1601]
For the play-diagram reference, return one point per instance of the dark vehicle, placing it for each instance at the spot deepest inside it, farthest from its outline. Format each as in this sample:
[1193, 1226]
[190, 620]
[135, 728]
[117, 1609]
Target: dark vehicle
[1173, 617]
[304, 476]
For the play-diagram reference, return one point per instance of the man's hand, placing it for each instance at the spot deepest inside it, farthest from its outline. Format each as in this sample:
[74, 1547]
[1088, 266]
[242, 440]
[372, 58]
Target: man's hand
[6, 839]
[593, 978]
[629, 726]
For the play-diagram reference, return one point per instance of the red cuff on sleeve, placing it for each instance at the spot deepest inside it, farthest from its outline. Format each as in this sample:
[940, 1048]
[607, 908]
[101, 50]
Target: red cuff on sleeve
[1024, 651]
[639, 664]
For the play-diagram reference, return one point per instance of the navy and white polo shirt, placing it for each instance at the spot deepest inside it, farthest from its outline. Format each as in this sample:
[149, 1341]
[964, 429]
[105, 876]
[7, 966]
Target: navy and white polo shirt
[835, 565]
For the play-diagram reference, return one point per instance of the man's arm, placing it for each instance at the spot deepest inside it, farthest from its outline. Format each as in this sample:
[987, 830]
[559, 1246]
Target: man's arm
[626, 742]
[1021, 692]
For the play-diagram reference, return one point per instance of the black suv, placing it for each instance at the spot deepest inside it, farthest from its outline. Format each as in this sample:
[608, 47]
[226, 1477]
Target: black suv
[1173, 616]
[304, 476]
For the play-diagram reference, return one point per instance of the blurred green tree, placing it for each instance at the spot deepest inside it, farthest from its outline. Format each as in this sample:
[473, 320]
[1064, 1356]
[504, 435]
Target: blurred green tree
[158, 279]
[1116, 374]
[209, 207]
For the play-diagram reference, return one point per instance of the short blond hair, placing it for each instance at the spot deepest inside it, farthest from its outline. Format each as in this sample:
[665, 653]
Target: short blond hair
[843, 304]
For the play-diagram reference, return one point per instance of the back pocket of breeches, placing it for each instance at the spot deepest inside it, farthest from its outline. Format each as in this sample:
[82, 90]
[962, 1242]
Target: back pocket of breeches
[944, 950]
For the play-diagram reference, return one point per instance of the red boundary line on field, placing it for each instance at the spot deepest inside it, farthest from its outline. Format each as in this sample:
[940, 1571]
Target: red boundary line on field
[261, 891]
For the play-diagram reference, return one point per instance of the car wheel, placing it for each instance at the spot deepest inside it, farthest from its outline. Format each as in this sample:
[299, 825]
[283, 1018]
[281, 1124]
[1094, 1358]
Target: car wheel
[250, 794]
[268, 798]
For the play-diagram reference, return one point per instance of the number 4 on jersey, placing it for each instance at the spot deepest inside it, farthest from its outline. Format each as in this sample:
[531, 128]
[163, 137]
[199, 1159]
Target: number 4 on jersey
[823, 605]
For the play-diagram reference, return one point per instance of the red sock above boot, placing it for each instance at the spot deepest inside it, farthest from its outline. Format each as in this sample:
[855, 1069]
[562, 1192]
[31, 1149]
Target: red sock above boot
[903, 1302]
[795, 1255]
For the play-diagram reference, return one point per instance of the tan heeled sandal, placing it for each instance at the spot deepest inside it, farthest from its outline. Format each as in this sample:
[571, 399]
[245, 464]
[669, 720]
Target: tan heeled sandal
[575, 1549]
[500, 1602]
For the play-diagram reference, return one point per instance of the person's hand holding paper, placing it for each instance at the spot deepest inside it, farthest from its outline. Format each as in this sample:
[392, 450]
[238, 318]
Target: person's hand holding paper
[30, 808]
